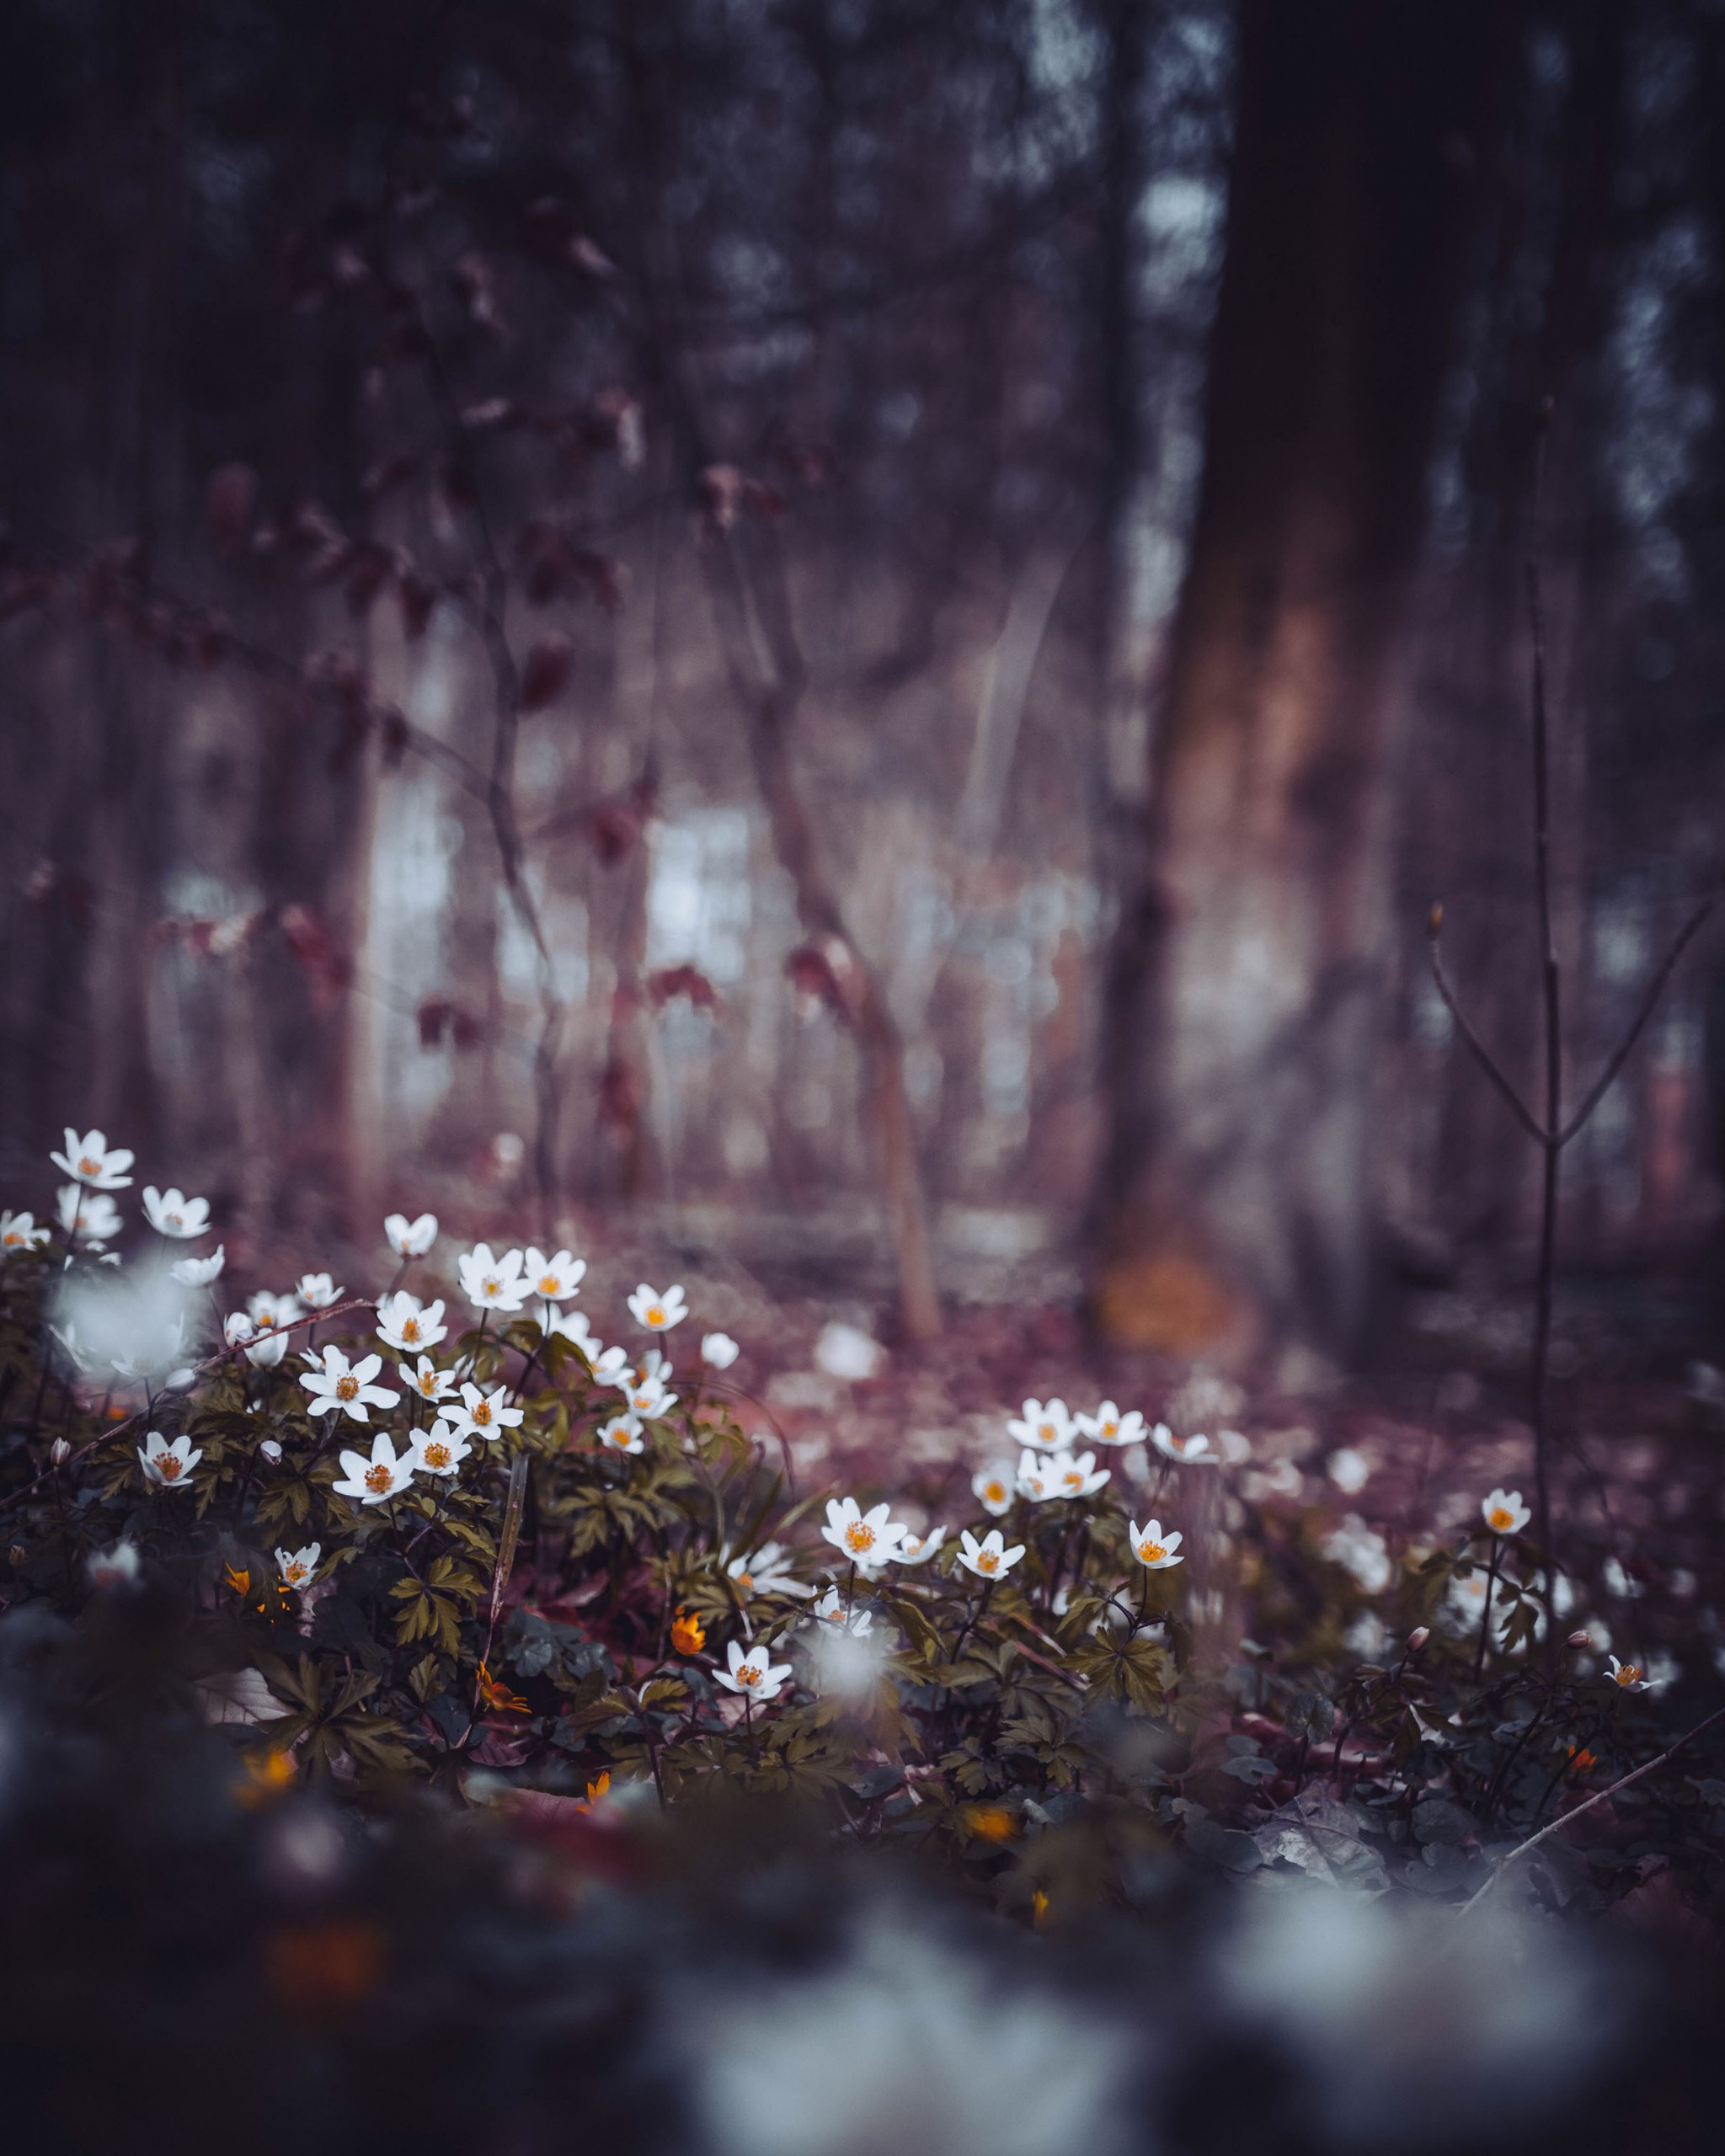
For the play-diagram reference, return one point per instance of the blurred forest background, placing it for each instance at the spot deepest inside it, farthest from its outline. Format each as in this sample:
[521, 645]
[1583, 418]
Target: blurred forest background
[860, 631]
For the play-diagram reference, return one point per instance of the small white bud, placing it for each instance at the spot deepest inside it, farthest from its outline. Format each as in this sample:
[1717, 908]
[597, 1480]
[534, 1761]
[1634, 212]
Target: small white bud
[1418, 1637]
[58, 1452]
[271, 1450]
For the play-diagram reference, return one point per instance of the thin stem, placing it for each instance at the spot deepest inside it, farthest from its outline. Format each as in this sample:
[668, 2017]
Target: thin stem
[1550, 990]
[1485, 1619]
[1482, 1054]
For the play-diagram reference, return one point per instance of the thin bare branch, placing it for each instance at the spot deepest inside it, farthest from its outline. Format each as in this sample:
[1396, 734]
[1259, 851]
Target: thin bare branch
[1482, 1054]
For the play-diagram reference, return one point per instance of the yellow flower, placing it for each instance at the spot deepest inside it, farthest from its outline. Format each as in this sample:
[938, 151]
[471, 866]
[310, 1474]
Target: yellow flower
[268, 1773]
[239, 1580]
[498, 1696]
[991, 1823]
[687, 1634]
[598, 1787]
[1039, 1907]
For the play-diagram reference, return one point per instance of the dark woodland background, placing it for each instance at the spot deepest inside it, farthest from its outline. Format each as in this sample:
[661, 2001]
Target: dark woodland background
[861, 631]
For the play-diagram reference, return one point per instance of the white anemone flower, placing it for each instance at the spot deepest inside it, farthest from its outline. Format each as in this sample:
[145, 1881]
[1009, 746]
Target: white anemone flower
[611, 1366]
[269, 1314]
[649, 1399]
[297, 1567]
[96, 1214]
[376, 1481]
[1196, 1447]
[554, 1279]
[754, 1674]
[1503, 1512]
[271, 1450]
[112, 1571]
[1361, 1550]
[658, 1313]
[199, 1272]
[766, 1571]
[1154, 1546]
[409, 1325]
[1049, 1426]
[990, 1558]
[442, 1449]
[1110, 1426]
[718, 1351]
[492, 1284]
[19, 1231]
[1627, 1676]
[1074, 1477]
[573, 1326]
[995, 1486]
[1036, 1478]
[317, 1291]
[425, 1380]
[410, 1238]
[622, 1434]
[87, 1161]
[833, 1612]
[485, 1415]
[337, 1386]
[172, 1214]
[918, 1549]
[168, 1466]
[153, 1356]
[865, 1538]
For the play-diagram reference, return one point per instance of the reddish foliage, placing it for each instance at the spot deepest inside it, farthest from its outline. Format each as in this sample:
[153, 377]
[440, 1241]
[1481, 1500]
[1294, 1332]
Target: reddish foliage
[686, 981]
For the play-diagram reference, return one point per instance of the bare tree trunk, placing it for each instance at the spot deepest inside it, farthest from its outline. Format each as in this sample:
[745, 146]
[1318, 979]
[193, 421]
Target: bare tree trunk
[1236, 1204]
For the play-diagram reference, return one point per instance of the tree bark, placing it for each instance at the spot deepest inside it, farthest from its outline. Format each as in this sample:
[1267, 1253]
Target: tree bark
[1235, 1206]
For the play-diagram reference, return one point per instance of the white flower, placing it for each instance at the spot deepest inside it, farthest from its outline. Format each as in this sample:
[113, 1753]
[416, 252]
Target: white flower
[613, 1367]
[268, 1314]
[1050, 1426]
[995, 1486]
[1110, 1426]
[1361, 1550]
[87, 1161]
[573, 1325]
[766, 1571]
[1196, 1447]
[554, 1279]
[404, 1323]
[990, 1558]
[1503, 1512]
[97, 1215]
[658, 1313]
[237, 1329]
[19, 1231]
[425, 1380]
[171, 1212]
[753, 1675]
[168, 1466]
[485, 1415]
[1038, 1477]
[1070, 1477]
[317, 1291]
[648, 1398]
[622, 1434]
[297, 1566]
[866, 1538]
[1627, 1675]
[441, 1449]
[718, 1351]
[337, 1386]
[111, 1570]
[150, 1358]
[833, 1611]
[374, 1481]
[1349, 1471]
[492, 1284]
[410, 1238]
[269, 1450]
[1153, 1547]
[918, 1549]
[199, 1272]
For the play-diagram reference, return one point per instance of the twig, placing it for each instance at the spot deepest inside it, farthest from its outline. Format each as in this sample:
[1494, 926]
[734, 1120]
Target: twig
[1533, 1841]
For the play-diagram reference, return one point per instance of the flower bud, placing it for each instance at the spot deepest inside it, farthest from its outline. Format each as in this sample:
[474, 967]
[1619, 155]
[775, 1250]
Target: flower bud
[271, 1450]
[1418, 1637]
[1579, 1640]
[58, 1452]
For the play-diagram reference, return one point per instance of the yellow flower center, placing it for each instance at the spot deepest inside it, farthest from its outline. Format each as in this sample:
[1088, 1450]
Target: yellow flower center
[1629, 1674]
[747, 1674]
[346, 1388]
[410, 1329]
[13, 1238]
[294, 1574]
[655, 1314]
[1072, 1479]
[482, 1413]
[169, 1465]
[995, 1493]
[437, 1457]
[987, 1561]
[492, 1286]
[428, 1384]
[173, 1220]
[1152, 1553]
[859, 1536]
[1500, 1518]
[378, 1478]
[746, 1581]
[549, 1285]
[87, 1166]
[1109, 1430]
[1047, 1432]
